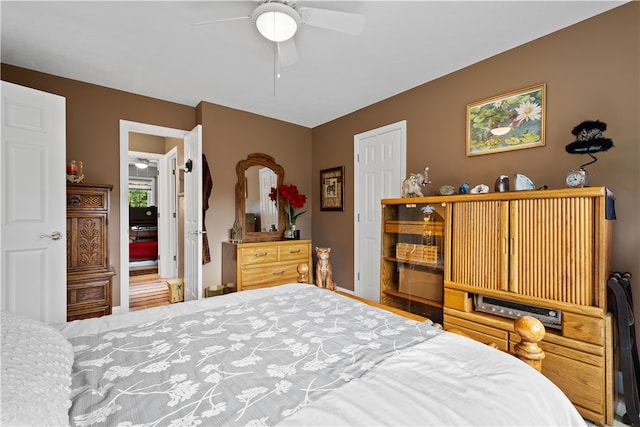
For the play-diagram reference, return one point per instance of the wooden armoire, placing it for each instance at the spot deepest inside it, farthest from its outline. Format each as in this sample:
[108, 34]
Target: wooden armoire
[546, 252]
[89, 273]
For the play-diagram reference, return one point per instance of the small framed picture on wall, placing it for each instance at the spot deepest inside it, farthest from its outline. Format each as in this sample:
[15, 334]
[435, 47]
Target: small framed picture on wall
[332, 189]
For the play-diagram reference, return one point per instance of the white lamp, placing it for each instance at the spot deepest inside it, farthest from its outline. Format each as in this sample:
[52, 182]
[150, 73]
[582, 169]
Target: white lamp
[142, 163]
[277, 22]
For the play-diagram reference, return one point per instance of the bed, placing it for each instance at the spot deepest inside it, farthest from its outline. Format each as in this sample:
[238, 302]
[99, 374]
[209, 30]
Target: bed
[292, 354]
[142, 251]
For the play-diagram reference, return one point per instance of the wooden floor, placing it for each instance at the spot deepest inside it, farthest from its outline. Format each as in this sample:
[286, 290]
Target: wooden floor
[146, 291]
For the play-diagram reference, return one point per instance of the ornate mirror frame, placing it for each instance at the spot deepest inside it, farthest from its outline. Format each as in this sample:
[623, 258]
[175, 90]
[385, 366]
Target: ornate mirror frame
[257, 159]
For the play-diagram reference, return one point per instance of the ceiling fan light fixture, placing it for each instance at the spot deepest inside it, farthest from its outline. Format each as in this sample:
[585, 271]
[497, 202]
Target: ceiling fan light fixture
[276, 22]
[141, 163]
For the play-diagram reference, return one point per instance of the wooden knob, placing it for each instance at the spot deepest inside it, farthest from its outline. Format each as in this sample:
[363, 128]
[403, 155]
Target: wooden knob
[531, 331]
[529, 328]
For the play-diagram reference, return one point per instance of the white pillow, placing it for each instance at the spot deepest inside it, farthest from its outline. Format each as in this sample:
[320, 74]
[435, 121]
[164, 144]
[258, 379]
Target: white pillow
[36, 373]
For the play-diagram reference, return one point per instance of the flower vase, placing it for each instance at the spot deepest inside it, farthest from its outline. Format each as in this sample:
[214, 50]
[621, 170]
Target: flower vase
[292, 233]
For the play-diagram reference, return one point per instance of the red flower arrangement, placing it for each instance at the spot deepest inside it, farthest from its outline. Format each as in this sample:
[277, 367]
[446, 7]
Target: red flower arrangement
[292, 199]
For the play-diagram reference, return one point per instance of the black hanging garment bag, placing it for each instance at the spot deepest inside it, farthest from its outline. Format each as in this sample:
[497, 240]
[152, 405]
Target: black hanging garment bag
[621, 303]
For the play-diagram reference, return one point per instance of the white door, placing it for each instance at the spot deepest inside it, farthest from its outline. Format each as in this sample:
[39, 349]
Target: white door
[380, 163]
[193, 215]
[33, 213]
[168, 221]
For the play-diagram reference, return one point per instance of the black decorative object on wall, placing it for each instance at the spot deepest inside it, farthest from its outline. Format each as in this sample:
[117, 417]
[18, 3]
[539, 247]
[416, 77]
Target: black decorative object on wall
[589, 140]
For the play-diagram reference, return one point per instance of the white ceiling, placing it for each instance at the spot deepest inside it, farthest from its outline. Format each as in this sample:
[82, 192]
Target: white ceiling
[151, 48]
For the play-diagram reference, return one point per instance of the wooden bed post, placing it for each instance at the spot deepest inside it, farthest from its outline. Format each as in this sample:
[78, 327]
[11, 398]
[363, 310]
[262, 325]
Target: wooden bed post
[303, 273]
[531, 331]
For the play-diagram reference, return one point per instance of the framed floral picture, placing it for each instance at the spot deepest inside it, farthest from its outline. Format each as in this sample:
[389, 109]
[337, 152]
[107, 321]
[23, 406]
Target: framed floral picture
[332, 189]
[512, 121]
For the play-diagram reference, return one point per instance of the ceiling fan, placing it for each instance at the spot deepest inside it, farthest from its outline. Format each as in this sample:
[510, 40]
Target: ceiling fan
[279, 20]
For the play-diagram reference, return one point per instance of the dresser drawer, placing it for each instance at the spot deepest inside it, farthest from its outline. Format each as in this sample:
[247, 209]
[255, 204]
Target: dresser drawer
[88, 198]
[95, 291]
[482, 333]
[294, 252]
[258, 255]
[584, 387]
[269, 275]
[88, 313]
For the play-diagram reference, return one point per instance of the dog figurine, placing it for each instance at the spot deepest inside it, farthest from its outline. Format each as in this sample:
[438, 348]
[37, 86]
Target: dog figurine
[412, 186]
[324, 272]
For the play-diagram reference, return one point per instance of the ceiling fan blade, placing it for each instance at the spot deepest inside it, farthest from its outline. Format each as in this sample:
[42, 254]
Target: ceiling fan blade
[287, 52]
[222, 20]
[344, 22]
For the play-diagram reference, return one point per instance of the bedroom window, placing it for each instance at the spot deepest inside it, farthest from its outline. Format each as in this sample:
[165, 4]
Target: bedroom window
[141, 192]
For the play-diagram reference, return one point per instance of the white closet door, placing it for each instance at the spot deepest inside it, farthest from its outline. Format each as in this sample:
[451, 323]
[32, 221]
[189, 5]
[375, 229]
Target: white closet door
[33, 214]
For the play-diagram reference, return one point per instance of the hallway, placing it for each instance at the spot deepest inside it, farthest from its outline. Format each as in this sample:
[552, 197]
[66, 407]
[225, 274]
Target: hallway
[146, 291]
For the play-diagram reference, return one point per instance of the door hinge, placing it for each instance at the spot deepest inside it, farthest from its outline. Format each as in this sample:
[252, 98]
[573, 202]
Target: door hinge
[358, 157]
[358, 218]
[358, 276]
[174, 214]
[175, 257]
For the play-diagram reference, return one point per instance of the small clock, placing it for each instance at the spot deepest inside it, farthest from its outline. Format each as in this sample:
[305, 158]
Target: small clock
[577, 179]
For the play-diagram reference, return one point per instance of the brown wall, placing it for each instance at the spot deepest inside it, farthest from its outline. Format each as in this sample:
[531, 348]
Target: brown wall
[592, 72]
[230, 136]
[93, 115]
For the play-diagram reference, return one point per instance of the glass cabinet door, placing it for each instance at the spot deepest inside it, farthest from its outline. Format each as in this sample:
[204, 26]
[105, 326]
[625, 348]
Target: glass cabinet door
[413, 256]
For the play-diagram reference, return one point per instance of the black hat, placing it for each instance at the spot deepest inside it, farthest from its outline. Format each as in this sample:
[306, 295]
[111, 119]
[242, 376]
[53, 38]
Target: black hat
[589, 138]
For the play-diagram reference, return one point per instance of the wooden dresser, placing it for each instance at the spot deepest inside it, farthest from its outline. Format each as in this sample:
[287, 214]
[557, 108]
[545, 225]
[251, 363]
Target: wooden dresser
[263, 264]
[89, 273]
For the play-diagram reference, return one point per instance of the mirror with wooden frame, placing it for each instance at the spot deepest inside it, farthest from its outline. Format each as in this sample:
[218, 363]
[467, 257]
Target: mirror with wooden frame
[256, 214]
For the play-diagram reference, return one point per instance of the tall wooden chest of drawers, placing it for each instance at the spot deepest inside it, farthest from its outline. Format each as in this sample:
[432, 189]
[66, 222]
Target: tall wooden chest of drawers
[263, 264]
[89, 274]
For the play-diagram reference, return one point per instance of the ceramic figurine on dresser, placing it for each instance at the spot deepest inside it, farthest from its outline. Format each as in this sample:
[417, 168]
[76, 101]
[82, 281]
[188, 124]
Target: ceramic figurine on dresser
[412, 186]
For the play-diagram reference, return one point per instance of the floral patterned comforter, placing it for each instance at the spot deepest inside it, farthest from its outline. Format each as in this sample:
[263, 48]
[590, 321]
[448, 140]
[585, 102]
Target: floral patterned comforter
[252, 362]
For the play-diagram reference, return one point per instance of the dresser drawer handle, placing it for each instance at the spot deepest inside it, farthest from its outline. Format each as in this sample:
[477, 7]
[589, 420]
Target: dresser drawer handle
[277, 273]
[297, 251]
[262, 254]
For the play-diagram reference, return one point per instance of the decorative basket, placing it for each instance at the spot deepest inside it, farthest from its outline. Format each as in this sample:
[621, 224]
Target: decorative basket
[413, 252]
[176, 290]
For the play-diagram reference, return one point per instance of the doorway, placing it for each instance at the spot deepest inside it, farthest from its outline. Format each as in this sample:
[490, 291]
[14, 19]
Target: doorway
[153, 253]
[162, 147]
[379, 167]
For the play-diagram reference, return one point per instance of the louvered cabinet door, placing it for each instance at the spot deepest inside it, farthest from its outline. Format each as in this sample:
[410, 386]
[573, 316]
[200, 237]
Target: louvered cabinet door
[479, 244]
[552, 247]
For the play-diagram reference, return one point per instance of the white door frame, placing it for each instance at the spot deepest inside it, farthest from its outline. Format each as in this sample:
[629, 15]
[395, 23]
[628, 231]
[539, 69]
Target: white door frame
[358, 245]
[125, 128]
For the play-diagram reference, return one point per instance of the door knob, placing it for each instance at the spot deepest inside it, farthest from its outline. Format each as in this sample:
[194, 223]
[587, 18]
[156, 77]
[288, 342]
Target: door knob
[56, 235]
